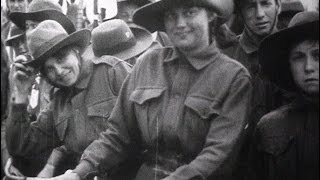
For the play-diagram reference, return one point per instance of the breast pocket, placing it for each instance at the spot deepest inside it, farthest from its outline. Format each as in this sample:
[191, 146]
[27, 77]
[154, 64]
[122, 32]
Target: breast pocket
[199, 112]
[98, 115]
[102, 109]
[148, 105]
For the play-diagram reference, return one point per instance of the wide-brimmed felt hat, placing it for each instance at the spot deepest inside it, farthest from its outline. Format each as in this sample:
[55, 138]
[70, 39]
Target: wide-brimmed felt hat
[291, 7]
[151, 15]
[16, 34]
[116, 38]
[137, 2]
[274, 50]
[49, 37]
[40, 10]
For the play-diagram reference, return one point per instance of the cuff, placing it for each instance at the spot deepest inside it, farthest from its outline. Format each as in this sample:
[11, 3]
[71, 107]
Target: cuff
[85, 170]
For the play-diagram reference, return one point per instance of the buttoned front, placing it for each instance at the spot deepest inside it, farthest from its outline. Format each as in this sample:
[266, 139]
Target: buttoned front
[185, 115]
[77, 115]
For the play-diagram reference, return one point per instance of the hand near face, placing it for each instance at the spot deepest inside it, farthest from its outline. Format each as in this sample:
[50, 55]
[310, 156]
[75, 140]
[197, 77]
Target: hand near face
[23, 78]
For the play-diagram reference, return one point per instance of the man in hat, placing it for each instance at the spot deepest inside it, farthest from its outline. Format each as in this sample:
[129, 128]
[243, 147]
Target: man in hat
[12, 6]
[126, 8]
[40, 10]
[287, 139]
[260, 19]
[17, 41]
[116, 38]
[88, 89]
[183, 108]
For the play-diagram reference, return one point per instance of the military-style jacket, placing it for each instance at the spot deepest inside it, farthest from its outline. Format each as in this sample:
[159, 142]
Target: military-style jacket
[76, 116]
[186, 116]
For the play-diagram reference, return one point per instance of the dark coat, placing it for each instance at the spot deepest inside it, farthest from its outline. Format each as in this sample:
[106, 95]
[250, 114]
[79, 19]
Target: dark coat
[286, 145]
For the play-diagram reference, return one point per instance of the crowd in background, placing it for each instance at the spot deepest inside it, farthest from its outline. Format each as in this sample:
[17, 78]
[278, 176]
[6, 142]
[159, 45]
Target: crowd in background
[159, 89]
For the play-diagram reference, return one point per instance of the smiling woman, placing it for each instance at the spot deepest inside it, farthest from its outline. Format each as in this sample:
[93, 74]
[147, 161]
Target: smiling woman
[63, 68]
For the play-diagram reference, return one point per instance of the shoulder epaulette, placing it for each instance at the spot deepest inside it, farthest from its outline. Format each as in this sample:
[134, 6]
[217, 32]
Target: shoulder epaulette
[110, 60]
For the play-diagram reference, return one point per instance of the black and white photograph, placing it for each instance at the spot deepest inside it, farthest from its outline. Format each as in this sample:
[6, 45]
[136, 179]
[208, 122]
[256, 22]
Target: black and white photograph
[160, 90]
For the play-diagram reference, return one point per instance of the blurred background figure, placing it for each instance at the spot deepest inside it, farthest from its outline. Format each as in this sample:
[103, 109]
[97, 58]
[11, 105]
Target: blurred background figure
[126, 9]
[288, 10]
[11, 6]
[17, 41]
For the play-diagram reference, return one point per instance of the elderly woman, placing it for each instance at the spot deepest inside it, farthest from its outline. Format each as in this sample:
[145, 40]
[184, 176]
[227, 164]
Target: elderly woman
[87, 89]
[287, 139]
[182, 108]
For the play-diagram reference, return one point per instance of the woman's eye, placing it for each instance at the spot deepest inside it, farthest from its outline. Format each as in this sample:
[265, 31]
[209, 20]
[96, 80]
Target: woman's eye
[190, 12]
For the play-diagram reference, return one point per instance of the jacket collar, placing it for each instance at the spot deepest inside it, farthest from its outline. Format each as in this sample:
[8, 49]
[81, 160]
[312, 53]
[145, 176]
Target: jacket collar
[85, 74]
[248, 43]
[199, 61]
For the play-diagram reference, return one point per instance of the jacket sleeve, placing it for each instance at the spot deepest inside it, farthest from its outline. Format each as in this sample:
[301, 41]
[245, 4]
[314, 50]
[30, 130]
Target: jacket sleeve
[4, 151]
[223, 136]
[111, 147]
[29, 139]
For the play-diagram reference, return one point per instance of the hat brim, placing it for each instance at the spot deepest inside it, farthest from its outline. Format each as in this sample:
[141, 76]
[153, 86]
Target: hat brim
[151, 15]
[80, 38]
[9, 41]
[274, 52]
[19, 18]
[144, 41]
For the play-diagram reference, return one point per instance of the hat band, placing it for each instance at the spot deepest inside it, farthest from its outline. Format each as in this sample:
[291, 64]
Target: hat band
[118, 48]
[47, 45]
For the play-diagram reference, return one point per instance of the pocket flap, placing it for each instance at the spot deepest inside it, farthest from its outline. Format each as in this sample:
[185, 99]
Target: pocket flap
[140, 96]
[276, 145]
[202, 106]
[102, 109]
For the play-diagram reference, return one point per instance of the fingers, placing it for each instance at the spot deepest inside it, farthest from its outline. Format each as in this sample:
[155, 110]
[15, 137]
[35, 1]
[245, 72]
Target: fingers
[20, 59]
[22, 71]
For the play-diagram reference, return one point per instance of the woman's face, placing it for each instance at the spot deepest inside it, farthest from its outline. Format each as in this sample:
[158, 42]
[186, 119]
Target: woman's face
[304, 64]
[188, 27]
[63, 68]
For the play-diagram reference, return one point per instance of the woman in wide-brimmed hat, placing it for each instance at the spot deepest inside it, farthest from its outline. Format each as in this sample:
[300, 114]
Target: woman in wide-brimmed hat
[287, 139]
[87, 91]
[182, 109]
[40, 10]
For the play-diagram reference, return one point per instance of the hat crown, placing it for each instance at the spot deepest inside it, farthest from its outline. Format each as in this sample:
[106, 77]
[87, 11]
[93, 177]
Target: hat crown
[304, 17]
[44, 36]
[112, 36]
[40, 5]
